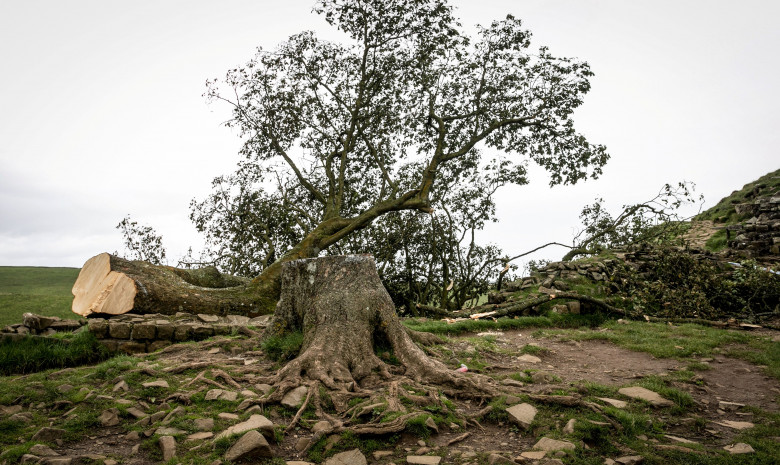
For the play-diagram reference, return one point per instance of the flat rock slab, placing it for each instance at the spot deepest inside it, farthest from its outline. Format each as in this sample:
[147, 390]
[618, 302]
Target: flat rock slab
[735, 424]
[221, 394]
[630, 460]
[522, 414]
[423, 459]
[295, 397]
[533, 454]
[549, 445]
[250, 445]
[200, 436]
[160, 383]
[636, 392]
[350, 457]
[613, 402]
[529, 358]
[254, 422]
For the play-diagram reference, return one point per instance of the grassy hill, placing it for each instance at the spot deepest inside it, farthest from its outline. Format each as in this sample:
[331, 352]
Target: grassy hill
[35, 289]
[724, 212]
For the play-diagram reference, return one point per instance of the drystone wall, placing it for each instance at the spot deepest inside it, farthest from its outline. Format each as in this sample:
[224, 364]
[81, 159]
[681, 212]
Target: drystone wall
[133, 333]
[760, 235]
[147, 333]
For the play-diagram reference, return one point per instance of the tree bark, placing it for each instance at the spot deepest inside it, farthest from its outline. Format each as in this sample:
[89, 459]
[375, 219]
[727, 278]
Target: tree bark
[344, 313]
[111, 285]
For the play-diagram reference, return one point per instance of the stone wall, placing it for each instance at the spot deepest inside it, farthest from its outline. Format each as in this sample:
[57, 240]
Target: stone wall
[132, 333]
[760, 235]
[146, 333]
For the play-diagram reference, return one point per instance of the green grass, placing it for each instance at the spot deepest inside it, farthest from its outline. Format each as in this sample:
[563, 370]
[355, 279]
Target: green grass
[35, 354]
[41, 290]
[717, 241]
[724, 212]
[552, 320]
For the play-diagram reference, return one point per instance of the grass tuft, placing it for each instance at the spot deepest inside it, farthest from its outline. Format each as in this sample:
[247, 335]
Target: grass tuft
[30, 354]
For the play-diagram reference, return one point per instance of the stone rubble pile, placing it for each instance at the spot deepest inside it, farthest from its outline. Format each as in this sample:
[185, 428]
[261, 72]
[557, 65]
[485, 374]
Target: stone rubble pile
[39, 325]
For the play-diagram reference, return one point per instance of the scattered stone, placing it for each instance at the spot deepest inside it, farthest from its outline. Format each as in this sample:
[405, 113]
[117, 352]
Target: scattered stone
[42, 450]
[533, 454]
[264, 388]
[64, 388]
[248, 393]
[735, 424]
[168, 447]
[613, 402]
[254, 409]
[498, 459]
[56, 461]
[47, 434]
[350, 457]
[29, 458]
[423, 459]
[252, 444]
[254, 422]
[679, 439]
[200, 436]
[302, 444]
[132, 436]
[569, 428]
[121, 386]
[729, 406]
[636, 392]
[511, 382]
[738, 448]
[10, 410]
[221, 394]
[135, 412]
[379, 454]
[167, 431]
[173, 413]
[522, 414]
[547, 444]
[109, 417]
[204, 424]
[322, 426]
[630, 460]
[542, 377]
[295, 397]
[432, 424]
[297, 462]
[157, 416]
[160, 383]
[227, 416]
[528, 358]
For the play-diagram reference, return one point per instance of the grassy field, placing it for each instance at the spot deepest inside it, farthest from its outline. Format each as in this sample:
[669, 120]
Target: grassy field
[39, 290]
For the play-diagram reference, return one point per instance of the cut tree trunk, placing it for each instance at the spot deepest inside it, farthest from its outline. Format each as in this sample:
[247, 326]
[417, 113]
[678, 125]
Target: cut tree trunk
[344, 313]
[111, 285]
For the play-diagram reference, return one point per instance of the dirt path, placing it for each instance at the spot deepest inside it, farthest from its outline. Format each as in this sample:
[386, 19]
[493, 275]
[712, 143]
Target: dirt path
[699, 233]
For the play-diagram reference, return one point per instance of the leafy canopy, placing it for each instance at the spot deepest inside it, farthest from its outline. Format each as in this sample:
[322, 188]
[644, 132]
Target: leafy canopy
[366, 127]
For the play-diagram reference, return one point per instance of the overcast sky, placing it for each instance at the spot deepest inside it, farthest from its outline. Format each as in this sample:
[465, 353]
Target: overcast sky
[101, 113]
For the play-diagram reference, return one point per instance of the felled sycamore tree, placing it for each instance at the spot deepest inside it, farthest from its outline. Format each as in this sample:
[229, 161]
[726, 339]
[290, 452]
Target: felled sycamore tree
[407, 89]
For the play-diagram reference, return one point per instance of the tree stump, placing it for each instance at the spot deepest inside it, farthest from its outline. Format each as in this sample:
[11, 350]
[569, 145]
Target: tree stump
[344, 312]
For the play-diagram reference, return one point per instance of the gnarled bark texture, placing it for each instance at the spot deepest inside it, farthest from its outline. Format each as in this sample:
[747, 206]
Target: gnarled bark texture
[340, 305]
